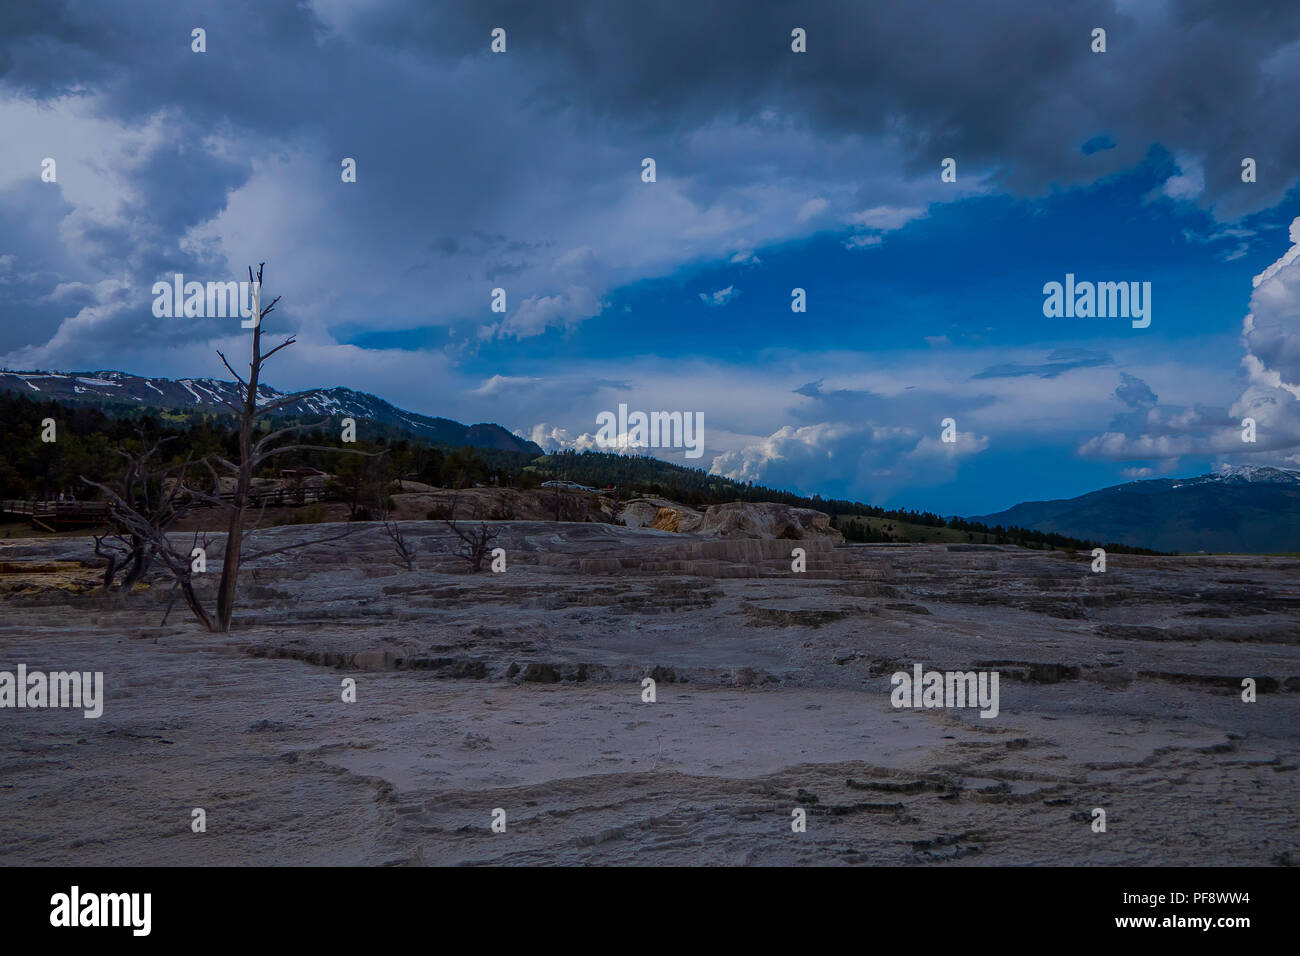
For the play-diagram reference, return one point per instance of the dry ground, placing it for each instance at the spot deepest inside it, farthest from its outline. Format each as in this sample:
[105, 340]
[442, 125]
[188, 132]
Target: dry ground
[522, 691]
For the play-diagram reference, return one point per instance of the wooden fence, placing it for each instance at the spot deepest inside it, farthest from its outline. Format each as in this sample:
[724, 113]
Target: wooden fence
[52, 515]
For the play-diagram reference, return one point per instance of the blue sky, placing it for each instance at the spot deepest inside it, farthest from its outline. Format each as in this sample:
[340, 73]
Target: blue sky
[775, 170]
[886, 301]
[995, 253]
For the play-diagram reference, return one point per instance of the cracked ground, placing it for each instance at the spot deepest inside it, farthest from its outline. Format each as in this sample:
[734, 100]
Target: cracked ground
[523, 691]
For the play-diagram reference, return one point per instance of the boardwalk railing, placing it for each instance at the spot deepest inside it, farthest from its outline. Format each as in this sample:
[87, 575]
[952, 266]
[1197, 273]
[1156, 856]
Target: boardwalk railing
[51, 514]
[43, 508]
[280, 496]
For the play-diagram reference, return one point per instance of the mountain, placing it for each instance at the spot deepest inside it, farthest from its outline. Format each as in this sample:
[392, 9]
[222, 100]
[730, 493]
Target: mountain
[119, 390]
[1250, 508]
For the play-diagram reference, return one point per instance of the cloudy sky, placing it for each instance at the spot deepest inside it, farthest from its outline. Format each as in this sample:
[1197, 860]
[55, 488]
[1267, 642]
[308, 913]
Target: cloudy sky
[775, 170]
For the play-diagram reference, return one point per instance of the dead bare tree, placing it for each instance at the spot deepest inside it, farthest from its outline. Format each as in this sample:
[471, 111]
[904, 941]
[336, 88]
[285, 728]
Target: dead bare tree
[252, 454]
[148, 491]
[249, 414]
[149, 525]
[475, 542]
[406, 549]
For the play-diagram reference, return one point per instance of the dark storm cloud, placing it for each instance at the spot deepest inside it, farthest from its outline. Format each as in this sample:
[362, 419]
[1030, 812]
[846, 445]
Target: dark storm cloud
[1007, 84]
[32, 259]
[1134, 392]
[174, 190]
[475, 168]
[1097, 144]
[1058, 362]
[920, 407]
[265, 65]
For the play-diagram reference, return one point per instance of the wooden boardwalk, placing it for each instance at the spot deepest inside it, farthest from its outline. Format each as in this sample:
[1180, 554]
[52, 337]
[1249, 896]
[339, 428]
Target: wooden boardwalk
[53, 515]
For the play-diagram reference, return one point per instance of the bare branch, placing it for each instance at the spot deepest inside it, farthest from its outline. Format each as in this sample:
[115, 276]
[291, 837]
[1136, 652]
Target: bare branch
[285, 431]
[272, 407]
[238, 378]
[476, 541]
[286, 343]
[340, 451]
[406, 550]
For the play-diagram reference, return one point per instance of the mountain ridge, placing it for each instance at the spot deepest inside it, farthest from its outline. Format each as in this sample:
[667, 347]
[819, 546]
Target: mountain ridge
[1245, 508]
[112, 387]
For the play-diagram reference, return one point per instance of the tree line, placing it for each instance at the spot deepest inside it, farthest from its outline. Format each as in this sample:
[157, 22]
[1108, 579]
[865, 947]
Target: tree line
[88, 436]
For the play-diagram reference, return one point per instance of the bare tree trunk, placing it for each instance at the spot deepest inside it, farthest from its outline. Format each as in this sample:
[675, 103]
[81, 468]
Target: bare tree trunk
[234, 535]
[195, 605]
[141, 561]
[110, 571]
[146, 520]
[243, 484]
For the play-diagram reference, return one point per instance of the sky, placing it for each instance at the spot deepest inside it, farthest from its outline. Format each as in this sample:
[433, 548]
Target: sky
[775, 170]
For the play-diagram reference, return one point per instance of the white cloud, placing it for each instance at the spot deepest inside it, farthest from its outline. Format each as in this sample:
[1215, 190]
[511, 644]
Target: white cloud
[811, 209]
[721, 297]
[1186, 184]
[579, 264]
[877, 222]
[564, 310]
[553, 438]
[885, 218]
[1270, 335]
[857, 458]
[550, 437]
[498, 384]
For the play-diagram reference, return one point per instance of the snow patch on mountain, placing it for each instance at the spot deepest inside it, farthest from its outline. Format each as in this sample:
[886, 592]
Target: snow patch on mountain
[1255, 473]
[115, 387]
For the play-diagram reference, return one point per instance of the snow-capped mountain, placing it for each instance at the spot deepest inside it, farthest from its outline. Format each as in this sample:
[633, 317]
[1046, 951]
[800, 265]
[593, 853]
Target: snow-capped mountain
[108, 388]
[1249, 474]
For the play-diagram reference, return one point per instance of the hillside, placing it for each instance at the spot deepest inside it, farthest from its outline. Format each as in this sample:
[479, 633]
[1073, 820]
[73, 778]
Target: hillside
[1247, 509]
[99, 412]
[118, 393]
